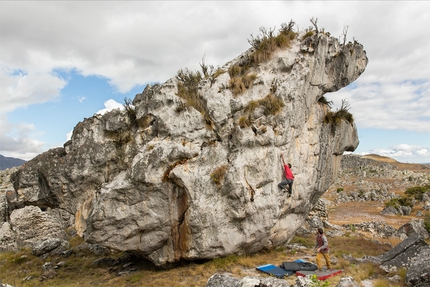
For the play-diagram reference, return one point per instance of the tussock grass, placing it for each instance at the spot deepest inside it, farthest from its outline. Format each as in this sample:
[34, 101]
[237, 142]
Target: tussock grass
[342, 113]
[265, 45]
[218, 174]
[270, 104]
[269, 42]
[188, 89]
[79, 270]
[357, 247]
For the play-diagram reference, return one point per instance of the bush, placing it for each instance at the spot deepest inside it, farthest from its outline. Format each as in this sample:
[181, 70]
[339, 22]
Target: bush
[129, 108]
[401, 201]
[272, 106]
[417, 192]
[188, 83]
[188, 86]
[394, 202]
[267, 42]
[240, 79]
[218, 175]
[427, 222]
[323, 100]
[342, 113]
[244, 121]
[237, 86]
[307, 35]
[264, 46]
[406, 201]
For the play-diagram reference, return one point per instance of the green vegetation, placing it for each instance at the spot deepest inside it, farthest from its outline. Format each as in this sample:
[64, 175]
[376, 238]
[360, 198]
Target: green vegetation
[417, 192]
[317, 283]
[171, 167]
[219, 174]
[209, 72]
[80, 270]
[323, 100]
[342, 113]
[239, 84]
[129, 108]
[188, 85]
[401, 201]
[308, 34]
[407, 199]
[188, 82]
[427, 222]
[270, 104]
[264, 46]
[268, 42]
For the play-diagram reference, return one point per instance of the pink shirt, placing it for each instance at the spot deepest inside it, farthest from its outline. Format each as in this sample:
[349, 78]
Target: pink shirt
[288, 172]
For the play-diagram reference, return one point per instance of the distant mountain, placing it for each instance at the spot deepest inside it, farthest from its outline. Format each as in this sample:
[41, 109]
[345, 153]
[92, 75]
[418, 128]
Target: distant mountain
[8, 162]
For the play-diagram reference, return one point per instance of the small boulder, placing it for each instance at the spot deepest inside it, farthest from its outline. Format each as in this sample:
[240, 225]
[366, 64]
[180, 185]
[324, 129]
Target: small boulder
[414, 226]
[347, 282]
[48, 272]
[220, 280]
[389, 210]
[50, 245]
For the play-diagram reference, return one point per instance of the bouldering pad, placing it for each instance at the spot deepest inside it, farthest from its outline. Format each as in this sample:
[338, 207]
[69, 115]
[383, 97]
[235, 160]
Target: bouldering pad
[322, 275]
[299, 265]
[274, 270]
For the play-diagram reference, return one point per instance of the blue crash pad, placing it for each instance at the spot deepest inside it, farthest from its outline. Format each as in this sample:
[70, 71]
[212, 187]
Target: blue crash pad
[274, 270]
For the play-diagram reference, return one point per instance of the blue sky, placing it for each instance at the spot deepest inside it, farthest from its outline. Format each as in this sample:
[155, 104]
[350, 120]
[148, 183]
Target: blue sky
[63, 61]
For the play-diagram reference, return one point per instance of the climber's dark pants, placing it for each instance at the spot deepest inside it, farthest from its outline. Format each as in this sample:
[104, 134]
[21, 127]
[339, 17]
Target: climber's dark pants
[286, 182]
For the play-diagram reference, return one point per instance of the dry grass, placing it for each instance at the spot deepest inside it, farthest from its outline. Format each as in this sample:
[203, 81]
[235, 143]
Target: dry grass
[219, 173]
[79, 270]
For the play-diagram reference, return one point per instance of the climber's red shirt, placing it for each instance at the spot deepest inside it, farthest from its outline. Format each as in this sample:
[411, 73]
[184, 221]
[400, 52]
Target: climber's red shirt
[288, 172]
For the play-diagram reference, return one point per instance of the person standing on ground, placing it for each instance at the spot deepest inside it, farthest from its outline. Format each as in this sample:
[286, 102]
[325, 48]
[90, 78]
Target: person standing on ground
[289, 177]
[322, 249]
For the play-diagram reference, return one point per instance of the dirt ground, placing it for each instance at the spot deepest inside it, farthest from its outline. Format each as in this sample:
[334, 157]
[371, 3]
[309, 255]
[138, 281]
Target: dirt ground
[356, 212]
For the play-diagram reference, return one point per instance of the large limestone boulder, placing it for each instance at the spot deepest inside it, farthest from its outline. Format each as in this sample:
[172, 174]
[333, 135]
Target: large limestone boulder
[191, 179]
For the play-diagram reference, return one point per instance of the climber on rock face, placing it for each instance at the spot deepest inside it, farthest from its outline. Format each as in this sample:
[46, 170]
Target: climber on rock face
[289, 178]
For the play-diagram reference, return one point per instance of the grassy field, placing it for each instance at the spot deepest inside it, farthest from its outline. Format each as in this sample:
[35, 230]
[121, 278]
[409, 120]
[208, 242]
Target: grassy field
[79, 269]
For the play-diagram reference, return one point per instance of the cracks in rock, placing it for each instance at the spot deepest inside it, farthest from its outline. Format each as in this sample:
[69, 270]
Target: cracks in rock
[172, 166]
[263, 183]
[179, 224]
[249, 187]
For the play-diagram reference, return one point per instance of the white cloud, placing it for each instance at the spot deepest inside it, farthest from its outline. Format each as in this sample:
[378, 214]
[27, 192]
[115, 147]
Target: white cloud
[110, 105]
[18, 140]
[131, 43]
[20, 90]
[69, 135]
[404, 153]
[390, 105]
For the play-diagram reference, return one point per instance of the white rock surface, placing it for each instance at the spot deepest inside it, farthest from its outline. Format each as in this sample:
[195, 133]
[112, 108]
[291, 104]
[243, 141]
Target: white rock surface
[146, 185]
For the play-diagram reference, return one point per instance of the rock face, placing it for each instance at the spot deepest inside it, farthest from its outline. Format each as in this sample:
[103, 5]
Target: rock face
[174, 180]
[418, 273]
[372, 180]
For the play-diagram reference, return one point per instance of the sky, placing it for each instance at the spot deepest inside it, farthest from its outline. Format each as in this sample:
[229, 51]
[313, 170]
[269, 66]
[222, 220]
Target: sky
[64, 61]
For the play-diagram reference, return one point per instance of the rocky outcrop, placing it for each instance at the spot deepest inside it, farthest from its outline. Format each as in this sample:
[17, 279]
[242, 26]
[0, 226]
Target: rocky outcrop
[220, 280]
[179, 179]
[415, 226]
[373, 180]
[418, 273]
